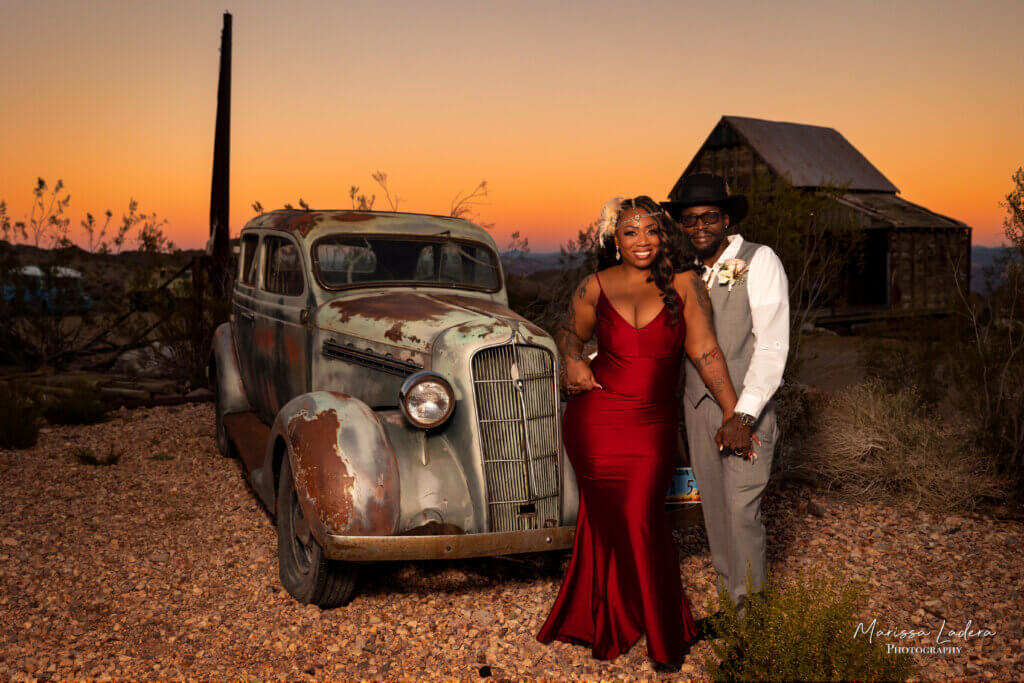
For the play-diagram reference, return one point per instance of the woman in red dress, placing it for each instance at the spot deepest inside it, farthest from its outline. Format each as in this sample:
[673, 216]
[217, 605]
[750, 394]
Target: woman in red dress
[620, 433]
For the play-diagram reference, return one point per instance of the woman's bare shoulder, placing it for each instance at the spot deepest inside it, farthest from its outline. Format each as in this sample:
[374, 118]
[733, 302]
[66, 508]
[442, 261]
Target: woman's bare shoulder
[589, 288]
[686, 282]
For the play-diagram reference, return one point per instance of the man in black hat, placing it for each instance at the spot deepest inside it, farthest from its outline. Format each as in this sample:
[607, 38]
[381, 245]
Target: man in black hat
[732, 454]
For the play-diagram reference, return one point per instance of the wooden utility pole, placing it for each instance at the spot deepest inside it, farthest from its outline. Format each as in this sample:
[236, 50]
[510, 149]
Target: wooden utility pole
[220, 242]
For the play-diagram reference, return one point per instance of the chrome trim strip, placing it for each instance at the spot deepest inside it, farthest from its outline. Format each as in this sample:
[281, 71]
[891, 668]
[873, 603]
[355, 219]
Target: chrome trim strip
[369, 359]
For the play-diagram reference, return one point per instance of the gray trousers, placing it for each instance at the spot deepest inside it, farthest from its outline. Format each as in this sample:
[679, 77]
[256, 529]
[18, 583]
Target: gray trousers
[731, 489]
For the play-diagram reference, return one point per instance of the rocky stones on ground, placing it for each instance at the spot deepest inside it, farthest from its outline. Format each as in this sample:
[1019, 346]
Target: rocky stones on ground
[815, 508]
[167, 569]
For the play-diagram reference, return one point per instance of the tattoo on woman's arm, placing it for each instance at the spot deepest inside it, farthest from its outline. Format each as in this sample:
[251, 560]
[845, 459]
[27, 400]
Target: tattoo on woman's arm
[570, 344]
[717, 385]
[715, 374]
[581, 289]
[707, 358]
[704, 299]
[569, 341]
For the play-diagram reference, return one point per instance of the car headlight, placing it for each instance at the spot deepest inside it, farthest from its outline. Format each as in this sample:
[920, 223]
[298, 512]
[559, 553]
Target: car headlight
[426, 399]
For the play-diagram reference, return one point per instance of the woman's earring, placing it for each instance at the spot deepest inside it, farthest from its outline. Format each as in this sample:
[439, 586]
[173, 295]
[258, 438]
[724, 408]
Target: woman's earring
[617, 255]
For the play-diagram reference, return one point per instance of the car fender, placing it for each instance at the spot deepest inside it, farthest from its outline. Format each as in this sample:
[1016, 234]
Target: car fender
[231, 392]
[343, 465]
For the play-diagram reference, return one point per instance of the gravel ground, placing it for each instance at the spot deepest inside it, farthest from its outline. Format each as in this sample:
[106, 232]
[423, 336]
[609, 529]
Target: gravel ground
[163, 566]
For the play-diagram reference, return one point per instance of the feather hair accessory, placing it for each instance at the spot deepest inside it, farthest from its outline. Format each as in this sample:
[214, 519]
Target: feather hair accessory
[609, 216]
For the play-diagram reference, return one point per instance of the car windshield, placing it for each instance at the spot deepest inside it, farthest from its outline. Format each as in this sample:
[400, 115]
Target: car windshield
[345, 261]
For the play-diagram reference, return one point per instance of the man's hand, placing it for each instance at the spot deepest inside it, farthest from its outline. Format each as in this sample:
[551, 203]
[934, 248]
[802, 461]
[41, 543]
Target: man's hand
[737, 437]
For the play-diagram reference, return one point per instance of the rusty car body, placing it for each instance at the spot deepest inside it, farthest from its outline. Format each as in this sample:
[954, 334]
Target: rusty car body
[386, 402]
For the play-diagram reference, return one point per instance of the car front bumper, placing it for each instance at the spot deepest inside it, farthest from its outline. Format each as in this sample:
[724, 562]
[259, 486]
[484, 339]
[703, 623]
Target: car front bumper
[452, 546]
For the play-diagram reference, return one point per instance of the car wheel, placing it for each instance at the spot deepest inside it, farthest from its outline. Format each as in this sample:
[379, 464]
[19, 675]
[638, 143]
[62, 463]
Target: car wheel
[305, 571]
[549, 564]
[223, 441]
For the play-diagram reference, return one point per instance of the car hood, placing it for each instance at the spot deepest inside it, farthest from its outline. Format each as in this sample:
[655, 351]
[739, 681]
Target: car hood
[413, 320]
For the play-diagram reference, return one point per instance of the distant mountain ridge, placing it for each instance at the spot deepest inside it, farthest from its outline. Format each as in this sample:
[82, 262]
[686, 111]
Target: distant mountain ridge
[982, 258]
[524, 264]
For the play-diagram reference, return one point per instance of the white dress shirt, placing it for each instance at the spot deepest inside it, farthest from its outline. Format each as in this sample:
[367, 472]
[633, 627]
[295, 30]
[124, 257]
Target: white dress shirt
[768, 291]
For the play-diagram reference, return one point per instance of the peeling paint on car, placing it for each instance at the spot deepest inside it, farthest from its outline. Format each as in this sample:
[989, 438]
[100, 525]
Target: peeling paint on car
[352, 217]
[343, 465]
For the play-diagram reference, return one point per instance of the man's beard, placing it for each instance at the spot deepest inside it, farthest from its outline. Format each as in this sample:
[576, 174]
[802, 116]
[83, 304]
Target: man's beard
[708, 251]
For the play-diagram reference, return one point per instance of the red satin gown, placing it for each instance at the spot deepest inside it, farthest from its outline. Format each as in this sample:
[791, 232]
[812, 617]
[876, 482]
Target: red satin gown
[623, 579]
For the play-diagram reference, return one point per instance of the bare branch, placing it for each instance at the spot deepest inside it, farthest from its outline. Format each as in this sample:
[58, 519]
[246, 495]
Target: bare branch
[382, 180]
[465, 206]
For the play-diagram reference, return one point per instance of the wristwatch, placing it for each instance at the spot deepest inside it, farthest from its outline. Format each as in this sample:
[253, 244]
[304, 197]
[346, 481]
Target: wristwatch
[748, 421]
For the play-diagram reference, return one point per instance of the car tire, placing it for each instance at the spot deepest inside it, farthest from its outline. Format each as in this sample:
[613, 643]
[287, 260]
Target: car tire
[550, 564]
[223, 440]
[306, 573]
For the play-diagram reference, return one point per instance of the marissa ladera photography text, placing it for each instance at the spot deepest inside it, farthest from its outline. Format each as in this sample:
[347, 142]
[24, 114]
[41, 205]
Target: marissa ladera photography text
[947, 640]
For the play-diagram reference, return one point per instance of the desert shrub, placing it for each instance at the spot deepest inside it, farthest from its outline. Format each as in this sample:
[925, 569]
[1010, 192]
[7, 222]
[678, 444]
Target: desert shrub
[186, 327]
[87, 456]
[901, 363]
[997, 403]
[989, 372]
[83, 406]
[551, 297]
[800, 631]
[868, 443]
[990, 389]
[20, 418]
[794, 418]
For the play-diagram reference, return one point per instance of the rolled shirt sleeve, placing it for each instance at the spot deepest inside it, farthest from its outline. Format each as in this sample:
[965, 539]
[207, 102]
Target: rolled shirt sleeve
[768, 291]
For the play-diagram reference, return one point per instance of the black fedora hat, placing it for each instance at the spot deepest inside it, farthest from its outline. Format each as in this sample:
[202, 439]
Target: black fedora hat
[706, 189]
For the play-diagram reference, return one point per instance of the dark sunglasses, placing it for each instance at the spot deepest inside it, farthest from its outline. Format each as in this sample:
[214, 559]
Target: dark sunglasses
[707, 218]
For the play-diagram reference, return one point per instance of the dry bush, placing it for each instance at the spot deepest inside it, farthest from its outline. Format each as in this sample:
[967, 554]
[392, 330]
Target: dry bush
[800, 629]
[20, 418]
[86, 456]
[871, 444]
[83, 406]
[794, 413]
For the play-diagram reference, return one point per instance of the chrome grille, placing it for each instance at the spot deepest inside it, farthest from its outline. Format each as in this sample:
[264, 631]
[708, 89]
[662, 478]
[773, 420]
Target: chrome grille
[519, 434]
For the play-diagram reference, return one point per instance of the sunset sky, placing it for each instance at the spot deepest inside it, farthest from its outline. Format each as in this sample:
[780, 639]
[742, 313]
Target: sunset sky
[558, 105]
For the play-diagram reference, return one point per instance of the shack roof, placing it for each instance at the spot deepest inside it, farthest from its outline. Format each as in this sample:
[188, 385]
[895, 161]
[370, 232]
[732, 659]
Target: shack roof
[312, 224]
[812, 156]
[889, 210]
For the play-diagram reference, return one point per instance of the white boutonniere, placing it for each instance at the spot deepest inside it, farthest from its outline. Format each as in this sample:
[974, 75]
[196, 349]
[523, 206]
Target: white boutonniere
[733, 271]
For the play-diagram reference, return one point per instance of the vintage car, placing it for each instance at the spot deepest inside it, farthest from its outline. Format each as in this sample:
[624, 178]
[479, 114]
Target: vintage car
[385, 401]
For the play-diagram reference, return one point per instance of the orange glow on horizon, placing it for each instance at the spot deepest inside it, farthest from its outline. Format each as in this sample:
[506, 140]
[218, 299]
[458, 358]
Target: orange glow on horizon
[547, 103]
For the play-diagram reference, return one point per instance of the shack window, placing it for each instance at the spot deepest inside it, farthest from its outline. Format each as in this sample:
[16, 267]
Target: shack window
[284, 267]
[247, 262]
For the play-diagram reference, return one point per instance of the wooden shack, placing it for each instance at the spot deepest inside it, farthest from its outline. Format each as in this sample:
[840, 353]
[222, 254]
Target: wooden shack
[911, 257]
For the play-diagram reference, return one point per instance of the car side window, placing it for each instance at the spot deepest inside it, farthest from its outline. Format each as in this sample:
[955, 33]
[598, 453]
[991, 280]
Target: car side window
[247, 260]
[283, 274]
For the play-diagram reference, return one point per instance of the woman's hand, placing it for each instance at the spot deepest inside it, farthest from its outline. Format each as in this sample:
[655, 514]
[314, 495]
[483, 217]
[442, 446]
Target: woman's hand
[579, 378]
[737, 437]
[575, 328]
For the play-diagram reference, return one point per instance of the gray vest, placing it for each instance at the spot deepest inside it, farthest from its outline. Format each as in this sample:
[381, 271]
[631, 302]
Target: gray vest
[734, 329]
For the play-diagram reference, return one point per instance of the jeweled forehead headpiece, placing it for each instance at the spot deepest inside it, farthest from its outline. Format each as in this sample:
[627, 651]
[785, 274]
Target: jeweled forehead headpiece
[612, 208]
